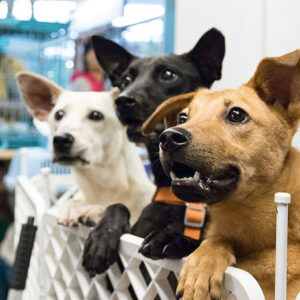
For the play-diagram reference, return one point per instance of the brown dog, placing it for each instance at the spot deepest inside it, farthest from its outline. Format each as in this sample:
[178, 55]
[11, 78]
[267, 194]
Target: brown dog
[232, 150]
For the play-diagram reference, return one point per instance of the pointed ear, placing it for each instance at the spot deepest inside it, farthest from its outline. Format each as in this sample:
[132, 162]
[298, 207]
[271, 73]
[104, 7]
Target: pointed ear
[277, 81]
[115, 92]
[167, 112]
[208, 54]
[113, 58]
[39, 94]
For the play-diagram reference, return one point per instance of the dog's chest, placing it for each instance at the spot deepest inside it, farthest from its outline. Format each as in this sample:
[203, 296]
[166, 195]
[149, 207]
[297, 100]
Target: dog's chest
[248, 230]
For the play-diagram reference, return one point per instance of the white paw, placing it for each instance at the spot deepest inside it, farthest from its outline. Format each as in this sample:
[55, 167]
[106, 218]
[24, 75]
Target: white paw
[72, 212]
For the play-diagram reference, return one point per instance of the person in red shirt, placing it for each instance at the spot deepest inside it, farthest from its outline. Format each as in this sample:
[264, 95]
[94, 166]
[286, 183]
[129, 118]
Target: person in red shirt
[91, 78]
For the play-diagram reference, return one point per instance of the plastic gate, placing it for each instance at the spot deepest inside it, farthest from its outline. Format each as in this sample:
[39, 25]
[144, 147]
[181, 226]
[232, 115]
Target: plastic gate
[56, 273]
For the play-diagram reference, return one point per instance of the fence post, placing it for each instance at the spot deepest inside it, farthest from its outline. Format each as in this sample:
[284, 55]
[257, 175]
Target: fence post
[46, 184]
[282, 200]
[23, 167]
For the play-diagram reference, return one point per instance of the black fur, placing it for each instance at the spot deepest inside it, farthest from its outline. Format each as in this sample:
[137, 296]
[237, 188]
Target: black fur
[146, 90]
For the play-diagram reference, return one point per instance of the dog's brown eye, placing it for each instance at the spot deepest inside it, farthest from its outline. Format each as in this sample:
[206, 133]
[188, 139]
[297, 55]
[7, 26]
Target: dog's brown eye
[183, 117]
[168, 75]
[125, 82]
[59, 115]
[96, 116]
[237, 115]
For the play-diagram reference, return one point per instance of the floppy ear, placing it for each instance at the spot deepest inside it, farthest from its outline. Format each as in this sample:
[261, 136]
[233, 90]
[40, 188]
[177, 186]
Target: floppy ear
[113, 58]
[167, 112]
[277, 81]
[39, 94]
[208, 54]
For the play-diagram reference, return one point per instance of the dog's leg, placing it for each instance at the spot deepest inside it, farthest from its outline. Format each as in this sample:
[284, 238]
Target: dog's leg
[202, 275]
[75, 210]
[167, 244]
[102, 244]
[158, 216]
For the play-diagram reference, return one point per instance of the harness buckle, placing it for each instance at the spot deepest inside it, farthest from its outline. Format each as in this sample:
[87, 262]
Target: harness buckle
[189, 209]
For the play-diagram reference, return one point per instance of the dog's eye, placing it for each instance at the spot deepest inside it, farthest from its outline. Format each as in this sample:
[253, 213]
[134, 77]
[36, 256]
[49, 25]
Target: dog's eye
[183, 117]
[168, 75]
[237, 115]
[125, 81]
[96, 116]
[59, 115]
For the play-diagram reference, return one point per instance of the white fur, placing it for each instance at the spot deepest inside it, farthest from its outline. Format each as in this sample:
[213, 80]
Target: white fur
[110, 170]
[114, 174]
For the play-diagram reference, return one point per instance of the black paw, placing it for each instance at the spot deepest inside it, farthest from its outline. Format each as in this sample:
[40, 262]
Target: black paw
[101, 247]
[167, 244]
[100, 250]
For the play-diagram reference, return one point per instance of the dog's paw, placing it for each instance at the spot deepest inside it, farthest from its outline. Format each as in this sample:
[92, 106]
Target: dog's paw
[167, 244]
[100, 250]
[72, 212]
[202, 275]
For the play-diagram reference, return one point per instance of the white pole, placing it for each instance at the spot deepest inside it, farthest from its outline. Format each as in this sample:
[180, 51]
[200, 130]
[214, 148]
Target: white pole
[23, 153]
[282, 200]
[46, 182]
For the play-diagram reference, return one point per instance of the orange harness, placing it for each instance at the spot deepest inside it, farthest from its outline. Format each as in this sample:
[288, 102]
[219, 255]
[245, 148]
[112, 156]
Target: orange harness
[194, 213]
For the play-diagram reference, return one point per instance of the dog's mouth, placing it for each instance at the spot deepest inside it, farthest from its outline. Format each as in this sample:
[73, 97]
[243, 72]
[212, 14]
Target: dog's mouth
[69, 160]
[194, 185]
[134, 125]
[134, 131]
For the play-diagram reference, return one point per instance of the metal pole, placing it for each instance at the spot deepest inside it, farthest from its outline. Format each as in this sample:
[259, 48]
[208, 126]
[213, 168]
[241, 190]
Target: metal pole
[282, 200]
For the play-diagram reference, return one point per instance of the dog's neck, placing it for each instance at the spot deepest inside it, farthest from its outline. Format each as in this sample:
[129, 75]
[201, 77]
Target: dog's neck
[95, 181]
[160, 178]
[115, 181]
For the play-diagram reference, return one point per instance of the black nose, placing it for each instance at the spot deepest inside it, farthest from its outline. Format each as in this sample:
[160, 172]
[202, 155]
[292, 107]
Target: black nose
[174, 138]
[125, 102]
[63, 142]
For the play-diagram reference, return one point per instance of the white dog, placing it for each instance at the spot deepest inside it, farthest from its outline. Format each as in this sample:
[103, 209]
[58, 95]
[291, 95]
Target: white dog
[87, 136]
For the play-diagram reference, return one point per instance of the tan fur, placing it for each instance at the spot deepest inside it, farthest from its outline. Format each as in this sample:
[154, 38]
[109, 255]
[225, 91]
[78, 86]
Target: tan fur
[242, 226]
[166, 112]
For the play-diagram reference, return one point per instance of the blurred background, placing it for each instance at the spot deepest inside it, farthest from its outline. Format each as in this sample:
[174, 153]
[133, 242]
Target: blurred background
[50, 37]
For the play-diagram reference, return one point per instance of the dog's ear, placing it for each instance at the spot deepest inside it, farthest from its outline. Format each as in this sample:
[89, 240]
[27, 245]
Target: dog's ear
[207, 56]
[39, 94]
[167, 112]
[113, 58]
[115, 92]
[277, 82]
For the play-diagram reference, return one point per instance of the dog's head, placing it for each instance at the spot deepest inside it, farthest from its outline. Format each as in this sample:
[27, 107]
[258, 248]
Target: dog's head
[85, 129]
[231, 141]
[146, 82]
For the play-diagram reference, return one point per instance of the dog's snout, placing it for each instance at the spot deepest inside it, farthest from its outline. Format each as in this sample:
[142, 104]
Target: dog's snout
[63, 142]
[174, 138]
[124, 102]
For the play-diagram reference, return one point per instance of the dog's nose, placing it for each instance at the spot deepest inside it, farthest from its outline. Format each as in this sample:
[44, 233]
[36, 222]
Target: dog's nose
[124, 102]
[174, 138]
[63, 142]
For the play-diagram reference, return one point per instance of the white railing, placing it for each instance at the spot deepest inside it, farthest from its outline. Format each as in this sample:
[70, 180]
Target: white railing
[56, 273]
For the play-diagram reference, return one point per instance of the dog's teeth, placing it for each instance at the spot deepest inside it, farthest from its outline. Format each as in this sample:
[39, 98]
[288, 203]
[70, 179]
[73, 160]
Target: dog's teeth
[197, 175]
[173, 176]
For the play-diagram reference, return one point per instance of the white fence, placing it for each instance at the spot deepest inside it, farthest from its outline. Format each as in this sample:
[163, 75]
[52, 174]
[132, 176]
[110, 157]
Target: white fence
[55, 269]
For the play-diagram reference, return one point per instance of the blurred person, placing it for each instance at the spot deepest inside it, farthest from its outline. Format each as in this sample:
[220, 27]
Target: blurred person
[9, 67]
[91, 78]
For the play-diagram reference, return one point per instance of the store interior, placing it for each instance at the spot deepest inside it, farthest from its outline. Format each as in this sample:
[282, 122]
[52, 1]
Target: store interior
[52, 38]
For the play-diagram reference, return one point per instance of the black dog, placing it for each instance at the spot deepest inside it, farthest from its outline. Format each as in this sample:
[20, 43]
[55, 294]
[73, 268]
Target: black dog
[145, 83]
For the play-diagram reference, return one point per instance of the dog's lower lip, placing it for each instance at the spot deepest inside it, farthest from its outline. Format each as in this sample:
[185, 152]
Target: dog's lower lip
[204, 182]
[70, 159]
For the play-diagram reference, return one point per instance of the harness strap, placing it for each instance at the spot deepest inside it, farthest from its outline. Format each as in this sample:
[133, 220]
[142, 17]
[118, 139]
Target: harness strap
[194, 214]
